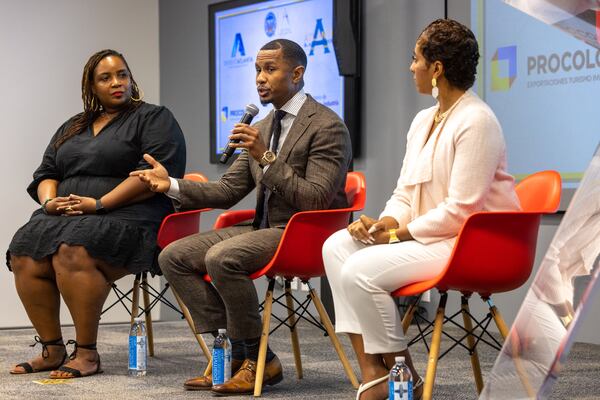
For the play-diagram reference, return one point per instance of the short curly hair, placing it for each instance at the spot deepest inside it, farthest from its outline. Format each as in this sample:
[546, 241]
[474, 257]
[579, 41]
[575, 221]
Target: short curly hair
[455, 46]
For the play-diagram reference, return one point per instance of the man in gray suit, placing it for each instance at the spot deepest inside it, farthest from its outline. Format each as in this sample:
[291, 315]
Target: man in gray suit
[304, 169]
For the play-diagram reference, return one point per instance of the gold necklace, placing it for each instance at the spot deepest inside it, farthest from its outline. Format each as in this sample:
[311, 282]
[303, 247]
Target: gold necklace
[439, 117]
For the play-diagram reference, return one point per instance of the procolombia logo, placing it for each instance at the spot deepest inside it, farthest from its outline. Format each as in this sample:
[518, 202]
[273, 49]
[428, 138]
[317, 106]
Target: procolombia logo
[581, 65]
[504, 68]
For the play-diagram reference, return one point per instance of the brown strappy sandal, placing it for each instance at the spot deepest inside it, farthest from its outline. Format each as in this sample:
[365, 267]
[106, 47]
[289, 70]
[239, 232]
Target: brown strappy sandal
[28, 368]
[75, 373]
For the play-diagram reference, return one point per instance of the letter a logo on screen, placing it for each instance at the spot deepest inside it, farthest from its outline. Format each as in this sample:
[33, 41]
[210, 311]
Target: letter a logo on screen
[504, 68]
[238, 46]
[319, 33]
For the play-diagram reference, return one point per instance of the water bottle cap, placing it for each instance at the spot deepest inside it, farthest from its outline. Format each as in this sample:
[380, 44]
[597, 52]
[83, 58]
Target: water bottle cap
[138, 319]
[400, 359]
[222, 330]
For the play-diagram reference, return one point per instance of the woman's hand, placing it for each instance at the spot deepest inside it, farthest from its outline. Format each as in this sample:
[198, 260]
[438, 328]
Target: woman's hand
[58, 204]
[79, 205]
[379, 232]
[157, 178]
[359, 229]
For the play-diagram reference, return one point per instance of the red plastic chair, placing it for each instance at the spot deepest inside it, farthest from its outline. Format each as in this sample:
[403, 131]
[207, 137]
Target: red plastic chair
[173, 227]
[494, 253]
[299, 255]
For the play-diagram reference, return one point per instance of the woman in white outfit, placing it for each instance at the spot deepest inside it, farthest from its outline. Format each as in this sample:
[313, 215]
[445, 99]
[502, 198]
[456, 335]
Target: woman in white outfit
[455, 165]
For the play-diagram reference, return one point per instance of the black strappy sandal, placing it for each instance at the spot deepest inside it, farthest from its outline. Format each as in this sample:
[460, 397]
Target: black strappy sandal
[75, 373]
[28, 369]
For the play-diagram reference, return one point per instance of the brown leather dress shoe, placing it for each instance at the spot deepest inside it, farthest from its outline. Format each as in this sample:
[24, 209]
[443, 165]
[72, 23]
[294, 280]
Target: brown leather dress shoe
[204, 382]
[243, 381]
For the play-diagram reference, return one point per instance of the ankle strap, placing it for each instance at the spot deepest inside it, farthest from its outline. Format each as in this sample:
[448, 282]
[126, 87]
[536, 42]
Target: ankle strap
[45, 344]
[91, 346]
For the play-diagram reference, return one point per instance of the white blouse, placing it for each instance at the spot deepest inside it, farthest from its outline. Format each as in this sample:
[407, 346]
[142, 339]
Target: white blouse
[460, 170]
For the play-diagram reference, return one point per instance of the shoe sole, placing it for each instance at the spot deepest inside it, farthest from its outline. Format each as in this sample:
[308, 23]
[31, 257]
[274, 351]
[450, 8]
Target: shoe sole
[271, 382]
[190, 387]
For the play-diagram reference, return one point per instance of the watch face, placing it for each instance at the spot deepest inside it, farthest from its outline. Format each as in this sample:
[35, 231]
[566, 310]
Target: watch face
[270, 156]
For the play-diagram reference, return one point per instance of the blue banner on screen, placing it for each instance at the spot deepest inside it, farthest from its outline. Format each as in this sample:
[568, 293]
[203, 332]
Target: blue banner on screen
[240, 33]
[541, 76]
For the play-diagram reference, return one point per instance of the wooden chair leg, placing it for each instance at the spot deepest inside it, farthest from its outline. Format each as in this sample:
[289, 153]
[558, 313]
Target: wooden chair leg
[135, 298]
[208, 369]
[434, 350]
[498, 319]
[264, 339]
[409, 315]
[190, 322]
[293, 330]
[332, 336]
[502, 328]
[521, 370]
[471, 342]
[148, 314]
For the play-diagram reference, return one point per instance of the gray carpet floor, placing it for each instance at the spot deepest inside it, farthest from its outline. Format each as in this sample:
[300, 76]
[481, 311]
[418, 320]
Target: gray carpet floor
[178, 357]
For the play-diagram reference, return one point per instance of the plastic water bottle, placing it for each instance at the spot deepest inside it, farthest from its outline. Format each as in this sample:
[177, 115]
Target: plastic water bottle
[221, 358]
[138, 354]
[400, 381]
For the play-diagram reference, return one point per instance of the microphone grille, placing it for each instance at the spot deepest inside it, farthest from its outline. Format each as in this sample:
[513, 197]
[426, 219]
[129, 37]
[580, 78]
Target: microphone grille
[251, 109]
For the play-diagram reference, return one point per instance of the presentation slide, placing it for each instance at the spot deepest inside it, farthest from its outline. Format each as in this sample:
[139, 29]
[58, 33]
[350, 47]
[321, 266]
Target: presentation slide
[540, 73]
[242, 31]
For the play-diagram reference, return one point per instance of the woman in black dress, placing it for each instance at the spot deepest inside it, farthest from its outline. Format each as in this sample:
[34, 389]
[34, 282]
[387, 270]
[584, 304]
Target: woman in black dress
[95, 224]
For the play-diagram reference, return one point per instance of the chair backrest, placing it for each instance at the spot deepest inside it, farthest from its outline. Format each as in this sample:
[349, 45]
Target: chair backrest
[540, 192]
[356, 190]
[196, 176]
[299, 251]
[179, 225]
[495, 251]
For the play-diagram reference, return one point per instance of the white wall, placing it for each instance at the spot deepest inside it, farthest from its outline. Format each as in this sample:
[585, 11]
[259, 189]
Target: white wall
[44, 46]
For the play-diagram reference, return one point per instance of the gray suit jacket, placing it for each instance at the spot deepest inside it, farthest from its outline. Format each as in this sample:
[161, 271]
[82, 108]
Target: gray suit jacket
[309, 173]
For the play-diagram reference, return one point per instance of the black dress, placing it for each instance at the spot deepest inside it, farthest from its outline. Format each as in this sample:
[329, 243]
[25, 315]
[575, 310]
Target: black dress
[88, 165]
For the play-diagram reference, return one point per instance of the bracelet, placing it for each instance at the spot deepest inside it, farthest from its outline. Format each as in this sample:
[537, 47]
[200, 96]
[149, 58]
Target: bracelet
[393, 237]
[566, 320]
[46, 202]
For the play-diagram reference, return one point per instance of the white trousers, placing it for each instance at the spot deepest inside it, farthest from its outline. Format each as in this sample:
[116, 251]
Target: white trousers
[362, 278]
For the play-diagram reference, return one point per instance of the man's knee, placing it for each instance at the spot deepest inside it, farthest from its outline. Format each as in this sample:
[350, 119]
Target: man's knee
[169, 258]
[218, 259]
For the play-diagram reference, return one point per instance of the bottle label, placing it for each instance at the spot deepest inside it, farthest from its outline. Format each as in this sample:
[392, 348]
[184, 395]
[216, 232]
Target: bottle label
[400, 390]
[227, 364]
[218, 364]
[137, 353]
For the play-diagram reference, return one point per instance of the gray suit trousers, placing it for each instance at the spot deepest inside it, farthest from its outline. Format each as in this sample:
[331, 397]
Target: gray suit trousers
[229, 256]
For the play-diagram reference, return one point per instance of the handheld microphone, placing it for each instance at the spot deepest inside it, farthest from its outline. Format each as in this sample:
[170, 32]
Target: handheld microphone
[249, 113]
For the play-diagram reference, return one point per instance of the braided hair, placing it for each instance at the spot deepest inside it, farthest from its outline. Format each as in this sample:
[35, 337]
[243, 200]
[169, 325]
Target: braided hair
[91, 105]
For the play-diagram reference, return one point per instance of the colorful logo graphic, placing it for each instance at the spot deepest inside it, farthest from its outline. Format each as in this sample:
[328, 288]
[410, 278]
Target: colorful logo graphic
[270, 24]
[504, 68]
[319, 39]
[238, 46]
[224, 114]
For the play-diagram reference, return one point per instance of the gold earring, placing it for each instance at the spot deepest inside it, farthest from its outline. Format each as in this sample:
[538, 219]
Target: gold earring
[93, 104]
[435, 92]
[140, 92]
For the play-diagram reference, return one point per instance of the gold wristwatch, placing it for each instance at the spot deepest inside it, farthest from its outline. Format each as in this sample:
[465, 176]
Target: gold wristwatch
[393, 237]
[267, 158]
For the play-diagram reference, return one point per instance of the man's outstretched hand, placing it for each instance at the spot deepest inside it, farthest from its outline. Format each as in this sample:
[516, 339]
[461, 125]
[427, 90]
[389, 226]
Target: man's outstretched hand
[157, 178]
